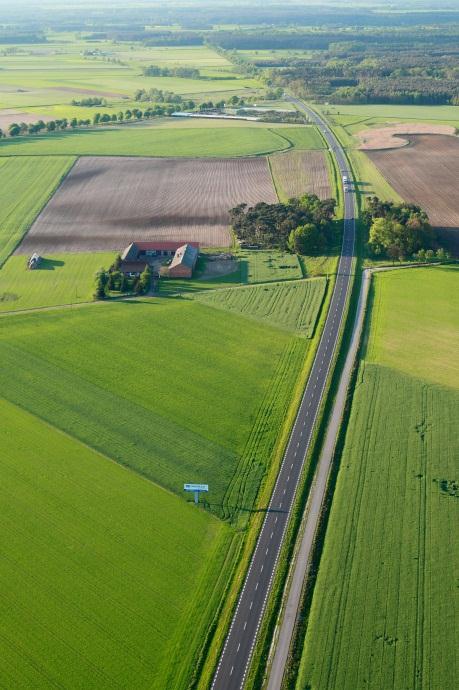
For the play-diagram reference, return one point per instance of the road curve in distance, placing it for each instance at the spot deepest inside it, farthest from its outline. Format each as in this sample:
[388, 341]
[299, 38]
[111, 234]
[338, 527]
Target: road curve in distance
[234, 662]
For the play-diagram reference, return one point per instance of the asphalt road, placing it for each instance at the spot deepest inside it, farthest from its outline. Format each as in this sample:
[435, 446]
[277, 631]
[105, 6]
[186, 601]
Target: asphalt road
[238, 648]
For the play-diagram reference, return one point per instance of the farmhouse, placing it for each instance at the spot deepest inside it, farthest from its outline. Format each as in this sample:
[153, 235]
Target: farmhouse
[140, 254]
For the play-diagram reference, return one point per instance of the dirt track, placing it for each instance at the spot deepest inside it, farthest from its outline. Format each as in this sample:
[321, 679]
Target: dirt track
[105, 203]
[426, 173]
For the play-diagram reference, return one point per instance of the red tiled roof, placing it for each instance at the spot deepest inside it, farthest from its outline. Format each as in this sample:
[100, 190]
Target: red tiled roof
[163, 246]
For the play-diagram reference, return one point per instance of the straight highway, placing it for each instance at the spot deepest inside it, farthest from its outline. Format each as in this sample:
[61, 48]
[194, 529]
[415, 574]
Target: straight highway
[234, 662]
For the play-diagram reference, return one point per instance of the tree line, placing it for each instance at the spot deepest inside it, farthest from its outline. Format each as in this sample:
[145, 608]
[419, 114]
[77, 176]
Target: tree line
[303, 225]
[400, 232]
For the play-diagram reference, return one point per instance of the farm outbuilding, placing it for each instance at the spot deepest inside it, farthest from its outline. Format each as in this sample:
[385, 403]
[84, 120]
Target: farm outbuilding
[184, 261]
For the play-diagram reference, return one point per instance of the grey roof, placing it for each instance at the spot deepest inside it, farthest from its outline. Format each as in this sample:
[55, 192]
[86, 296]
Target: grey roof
[130, 253]
[185, 256]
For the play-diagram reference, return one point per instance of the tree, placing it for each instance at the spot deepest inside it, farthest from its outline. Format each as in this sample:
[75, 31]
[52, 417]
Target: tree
[307, 239]
[101, 284]
[14, 129]
[96, 119]
[51, 126]
[73, 123]
[144, 282]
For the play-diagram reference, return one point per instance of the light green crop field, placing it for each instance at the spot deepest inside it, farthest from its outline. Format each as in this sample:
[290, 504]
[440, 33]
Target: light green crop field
[167, 387]
[103, 574]
[385, 607]
[60, 279]
[151, 141]
[26, 185]
[294, 306]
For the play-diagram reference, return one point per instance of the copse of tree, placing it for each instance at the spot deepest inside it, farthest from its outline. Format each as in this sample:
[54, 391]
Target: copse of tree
[398, 231]
[302, 225]
[181, 72]
[90, 102]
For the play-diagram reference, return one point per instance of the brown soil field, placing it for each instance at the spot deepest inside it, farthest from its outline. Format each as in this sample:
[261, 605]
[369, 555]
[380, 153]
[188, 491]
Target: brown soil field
[426, 172]
[105, 203]
[7, 117]
[395, 136]
[300, 172]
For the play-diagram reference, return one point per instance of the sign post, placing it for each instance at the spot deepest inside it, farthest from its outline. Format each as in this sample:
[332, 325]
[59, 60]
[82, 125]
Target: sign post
[196, 489]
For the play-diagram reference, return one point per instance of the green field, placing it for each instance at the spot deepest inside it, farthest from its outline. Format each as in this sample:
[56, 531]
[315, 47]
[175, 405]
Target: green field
[167, 387]
[150, 141]
[400, 113]
[26, 186]
[262, 266]
[303, 138]
[385, 605]
[164, 141]
[294, 306]
[86, 599]
[60, 279]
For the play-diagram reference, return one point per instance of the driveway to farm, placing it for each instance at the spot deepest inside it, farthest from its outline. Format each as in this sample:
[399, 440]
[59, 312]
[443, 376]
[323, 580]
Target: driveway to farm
[239, 645]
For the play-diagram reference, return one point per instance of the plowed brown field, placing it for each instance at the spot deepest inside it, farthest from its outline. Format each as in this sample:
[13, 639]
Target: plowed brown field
[301, 172]
[106, 203]
[426, 172]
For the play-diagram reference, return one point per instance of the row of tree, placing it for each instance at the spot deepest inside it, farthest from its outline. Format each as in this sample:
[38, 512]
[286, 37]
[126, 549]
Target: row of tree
[303, 225]
[22, 128]
[399, 231]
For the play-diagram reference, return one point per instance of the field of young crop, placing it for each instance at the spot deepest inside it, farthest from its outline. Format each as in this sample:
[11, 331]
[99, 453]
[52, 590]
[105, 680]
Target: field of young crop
[60, 279]
[26, 185]
[385, 605]
[299, 172]
[165, 141]
[93, 596]
[106, 203]
[108, 376]
[294, 306]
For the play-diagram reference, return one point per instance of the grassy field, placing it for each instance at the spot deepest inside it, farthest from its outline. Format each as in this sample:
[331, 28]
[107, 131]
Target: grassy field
[293, 306]
[26, 184]
[150, 141]
[385, 606]
[108, 376]
[164, 141]
[60, 279]
[303, 138]
[262, 266]
[370, 181]
[86, 601]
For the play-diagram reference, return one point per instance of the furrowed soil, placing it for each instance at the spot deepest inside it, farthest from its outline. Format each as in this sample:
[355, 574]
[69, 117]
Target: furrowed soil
[299, 172]
[106, 203]
[426, 173]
